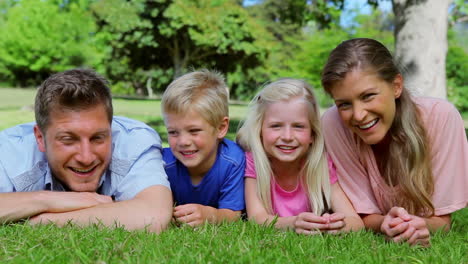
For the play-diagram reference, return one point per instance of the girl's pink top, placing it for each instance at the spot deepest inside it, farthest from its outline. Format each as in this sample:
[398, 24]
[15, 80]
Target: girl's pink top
[286, 203]
[359, 175]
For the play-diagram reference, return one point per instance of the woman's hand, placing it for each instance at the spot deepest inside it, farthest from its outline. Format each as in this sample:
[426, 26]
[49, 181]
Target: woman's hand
[400, 226]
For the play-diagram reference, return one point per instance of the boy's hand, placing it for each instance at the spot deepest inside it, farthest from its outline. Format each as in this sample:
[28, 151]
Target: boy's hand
[193, 214]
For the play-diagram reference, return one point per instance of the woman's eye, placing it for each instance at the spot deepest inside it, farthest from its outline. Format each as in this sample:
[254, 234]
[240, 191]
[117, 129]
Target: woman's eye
[343, 105]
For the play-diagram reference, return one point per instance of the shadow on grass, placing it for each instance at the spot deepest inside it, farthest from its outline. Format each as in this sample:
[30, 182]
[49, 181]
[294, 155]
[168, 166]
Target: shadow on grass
[158, 125]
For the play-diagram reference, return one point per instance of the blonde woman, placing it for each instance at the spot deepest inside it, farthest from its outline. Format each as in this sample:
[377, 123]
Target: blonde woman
[401, 160]
[288, 179]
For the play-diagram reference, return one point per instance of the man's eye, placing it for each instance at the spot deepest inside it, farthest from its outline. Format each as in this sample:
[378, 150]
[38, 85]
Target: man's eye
[172, 133]
[66, 140]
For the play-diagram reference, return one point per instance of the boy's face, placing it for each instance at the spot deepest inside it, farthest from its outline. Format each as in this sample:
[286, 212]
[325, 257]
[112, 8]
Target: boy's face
[193, 141]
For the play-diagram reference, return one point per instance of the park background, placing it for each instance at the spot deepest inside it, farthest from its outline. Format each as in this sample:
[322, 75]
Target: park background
[141, 45]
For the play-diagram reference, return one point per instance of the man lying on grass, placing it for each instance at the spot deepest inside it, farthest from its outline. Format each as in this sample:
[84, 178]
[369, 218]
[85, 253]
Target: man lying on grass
[78, 163]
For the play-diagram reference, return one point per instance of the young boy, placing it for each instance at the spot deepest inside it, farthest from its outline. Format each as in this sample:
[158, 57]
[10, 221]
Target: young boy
[205, 170]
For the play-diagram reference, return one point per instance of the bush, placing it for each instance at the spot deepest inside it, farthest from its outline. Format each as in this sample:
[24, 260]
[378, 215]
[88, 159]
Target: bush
[457, 77]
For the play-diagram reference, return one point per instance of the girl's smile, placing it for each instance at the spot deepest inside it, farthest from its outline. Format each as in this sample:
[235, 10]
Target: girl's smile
[286, 132]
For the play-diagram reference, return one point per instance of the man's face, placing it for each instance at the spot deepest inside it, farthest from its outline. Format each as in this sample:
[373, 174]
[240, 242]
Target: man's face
[77, 145]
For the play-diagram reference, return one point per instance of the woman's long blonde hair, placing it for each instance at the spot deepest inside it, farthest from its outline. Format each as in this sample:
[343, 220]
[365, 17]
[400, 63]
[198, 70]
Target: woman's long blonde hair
[409, 165]
[315, 174]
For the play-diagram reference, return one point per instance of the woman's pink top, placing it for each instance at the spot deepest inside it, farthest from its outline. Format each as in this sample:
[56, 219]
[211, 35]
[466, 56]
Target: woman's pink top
[286, 203]
[359, 175]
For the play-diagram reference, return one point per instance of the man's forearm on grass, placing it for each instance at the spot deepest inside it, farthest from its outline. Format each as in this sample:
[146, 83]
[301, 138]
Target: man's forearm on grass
[151, 209]
[20, 205]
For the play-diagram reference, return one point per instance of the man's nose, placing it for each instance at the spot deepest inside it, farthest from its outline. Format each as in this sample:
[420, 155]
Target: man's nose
[86, 154]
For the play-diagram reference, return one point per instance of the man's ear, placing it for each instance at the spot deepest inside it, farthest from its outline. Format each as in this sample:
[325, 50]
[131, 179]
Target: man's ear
[40, 138]
[223, 127]
[398, 85]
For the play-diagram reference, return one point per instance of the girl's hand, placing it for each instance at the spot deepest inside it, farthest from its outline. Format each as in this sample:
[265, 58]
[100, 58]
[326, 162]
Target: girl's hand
[336, 222]
[310, 224]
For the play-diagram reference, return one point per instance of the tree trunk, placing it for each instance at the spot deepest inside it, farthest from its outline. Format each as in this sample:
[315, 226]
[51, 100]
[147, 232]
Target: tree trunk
[421, 44]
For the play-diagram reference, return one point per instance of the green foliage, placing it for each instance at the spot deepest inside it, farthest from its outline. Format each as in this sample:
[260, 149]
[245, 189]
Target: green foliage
[457, 74]
[164, 39]
[312, 51]
[43, 37]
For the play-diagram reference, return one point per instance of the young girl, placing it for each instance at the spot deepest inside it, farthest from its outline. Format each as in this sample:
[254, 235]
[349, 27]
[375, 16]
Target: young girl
[401, 160]
[287, 172]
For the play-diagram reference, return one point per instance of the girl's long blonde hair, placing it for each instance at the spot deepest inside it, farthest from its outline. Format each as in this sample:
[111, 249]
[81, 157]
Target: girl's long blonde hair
[409, 164]
[315, 176]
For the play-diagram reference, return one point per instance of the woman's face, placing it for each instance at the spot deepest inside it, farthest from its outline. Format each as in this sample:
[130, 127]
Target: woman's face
[366, 104]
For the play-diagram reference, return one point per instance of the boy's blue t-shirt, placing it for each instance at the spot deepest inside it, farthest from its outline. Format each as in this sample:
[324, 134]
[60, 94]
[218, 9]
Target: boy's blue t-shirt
[222, 187]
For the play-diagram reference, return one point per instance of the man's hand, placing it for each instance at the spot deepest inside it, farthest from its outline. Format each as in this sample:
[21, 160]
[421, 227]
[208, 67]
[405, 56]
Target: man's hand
[194, 214]
[61, 202]
[58, 202]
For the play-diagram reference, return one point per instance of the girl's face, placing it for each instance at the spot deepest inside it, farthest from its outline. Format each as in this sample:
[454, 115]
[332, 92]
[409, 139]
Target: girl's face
[366, 104]
[286, 132]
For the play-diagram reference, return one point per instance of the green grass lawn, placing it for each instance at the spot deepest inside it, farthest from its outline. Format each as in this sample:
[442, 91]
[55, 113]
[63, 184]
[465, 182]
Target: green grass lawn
[239, 242]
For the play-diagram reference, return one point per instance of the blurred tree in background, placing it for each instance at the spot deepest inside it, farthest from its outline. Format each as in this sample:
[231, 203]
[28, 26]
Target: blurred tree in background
[156, 41]
[43, 37]
[141, 45]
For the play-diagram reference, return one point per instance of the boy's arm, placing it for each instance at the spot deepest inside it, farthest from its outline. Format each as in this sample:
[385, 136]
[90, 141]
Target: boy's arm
[150, 208]
[197, 214]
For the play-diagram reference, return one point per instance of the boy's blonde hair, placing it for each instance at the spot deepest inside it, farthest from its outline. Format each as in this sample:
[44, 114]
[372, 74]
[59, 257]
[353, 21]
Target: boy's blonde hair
[203, 91]
[315, 178]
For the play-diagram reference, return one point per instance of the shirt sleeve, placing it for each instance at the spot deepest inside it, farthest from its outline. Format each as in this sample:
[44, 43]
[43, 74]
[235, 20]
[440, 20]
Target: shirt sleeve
[143, 148]
[350, 169]
[249, 166]
[232, 190]
[5, 183]
[449, 150]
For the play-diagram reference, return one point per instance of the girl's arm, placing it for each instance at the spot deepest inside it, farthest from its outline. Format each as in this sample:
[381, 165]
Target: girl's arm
[257, 212]
[341, 204]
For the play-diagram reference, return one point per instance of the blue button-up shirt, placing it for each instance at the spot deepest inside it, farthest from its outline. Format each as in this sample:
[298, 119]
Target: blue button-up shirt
[136, 161]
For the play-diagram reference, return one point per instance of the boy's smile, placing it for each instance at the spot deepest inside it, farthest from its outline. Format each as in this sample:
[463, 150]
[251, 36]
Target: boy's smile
[193, 141]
